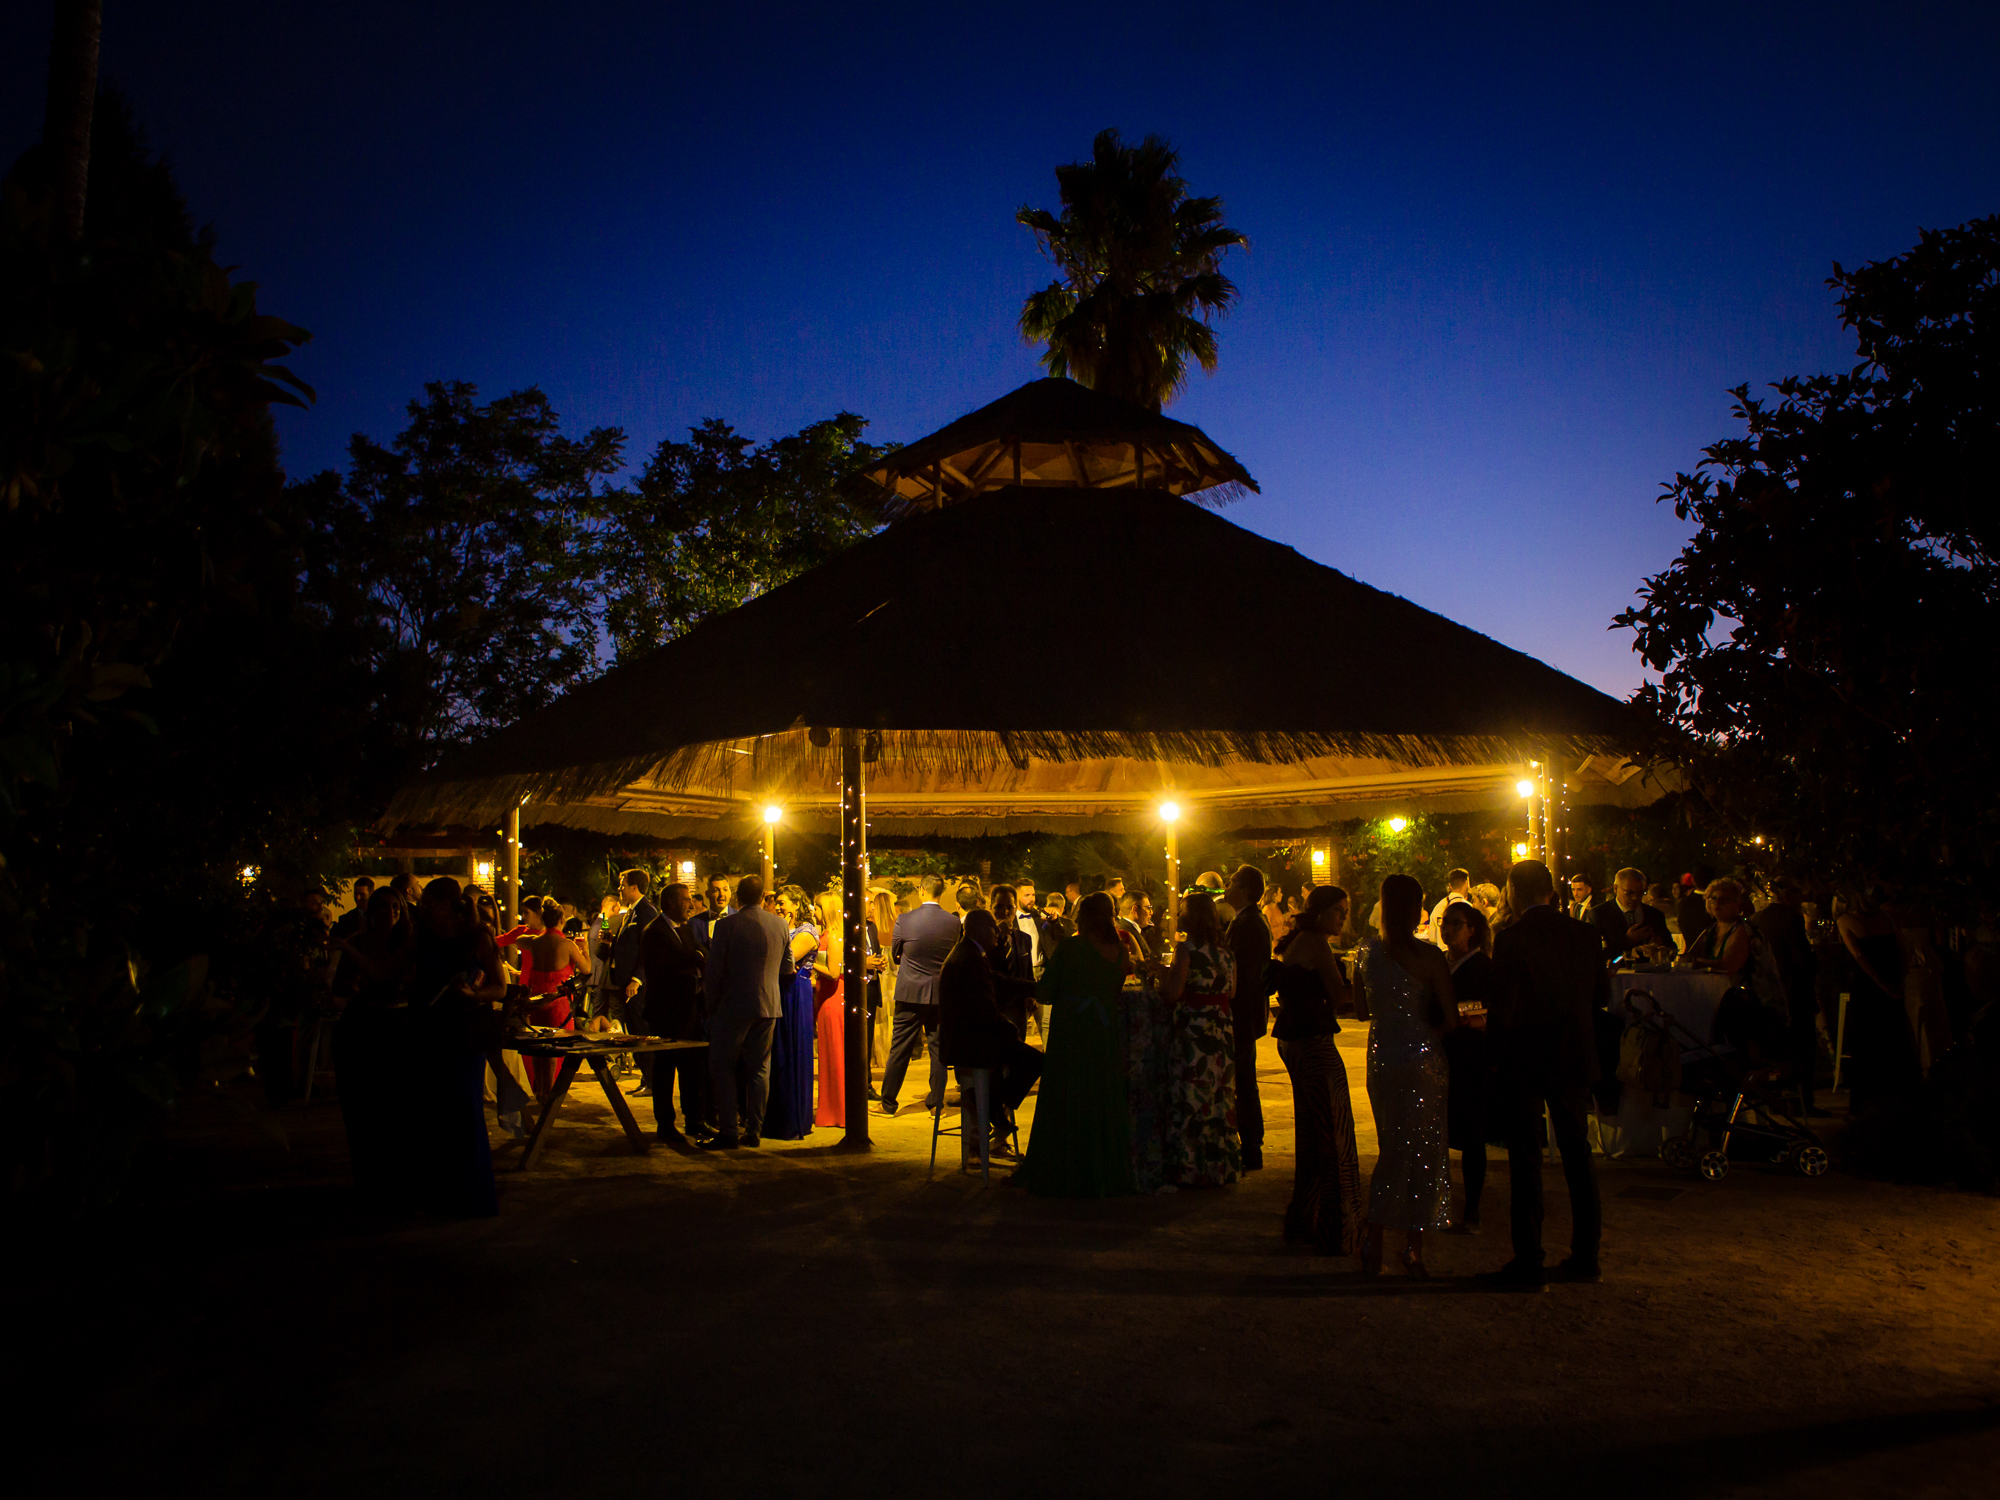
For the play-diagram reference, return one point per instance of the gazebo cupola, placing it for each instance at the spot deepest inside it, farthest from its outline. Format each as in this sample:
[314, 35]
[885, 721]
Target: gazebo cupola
[1056, 434]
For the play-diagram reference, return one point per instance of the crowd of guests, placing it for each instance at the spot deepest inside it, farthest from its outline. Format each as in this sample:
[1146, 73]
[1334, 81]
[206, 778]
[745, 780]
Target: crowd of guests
[1486, 1011]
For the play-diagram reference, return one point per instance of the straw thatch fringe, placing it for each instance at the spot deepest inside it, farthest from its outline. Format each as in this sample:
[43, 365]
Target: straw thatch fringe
[775, 763]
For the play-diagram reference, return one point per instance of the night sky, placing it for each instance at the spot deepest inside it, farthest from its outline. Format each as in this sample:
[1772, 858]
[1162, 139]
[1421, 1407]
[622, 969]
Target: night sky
[1502, 271]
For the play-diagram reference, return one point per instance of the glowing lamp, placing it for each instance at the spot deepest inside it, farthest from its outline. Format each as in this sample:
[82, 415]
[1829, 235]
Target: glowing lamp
[1525, 788]
[1397, 825]
[485, 872]
[1319, 859]
[1169, 811]
[773, 813]
[1758, 839]
[687, 869]
[248, 874]
[1520, 851]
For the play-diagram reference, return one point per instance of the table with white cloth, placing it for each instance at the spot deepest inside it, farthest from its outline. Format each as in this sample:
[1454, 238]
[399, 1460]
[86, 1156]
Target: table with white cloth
[1690, 997]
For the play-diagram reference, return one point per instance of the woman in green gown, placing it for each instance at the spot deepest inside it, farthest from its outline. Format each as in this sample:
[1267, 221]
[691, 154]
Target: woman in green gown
[1081, 1146]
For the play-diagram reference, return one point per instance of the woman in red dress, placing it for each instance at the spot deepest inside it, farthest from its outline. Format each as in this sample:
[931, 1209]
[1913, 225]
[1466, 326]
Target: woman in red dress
[830, 1017]
[548, 957]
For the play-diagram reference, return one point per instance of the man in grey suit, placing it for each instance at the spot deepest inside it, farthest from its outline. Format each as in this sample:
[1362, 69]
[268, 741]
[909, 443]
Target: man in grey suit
[746, 950]
[924, 939]
[1549, 980]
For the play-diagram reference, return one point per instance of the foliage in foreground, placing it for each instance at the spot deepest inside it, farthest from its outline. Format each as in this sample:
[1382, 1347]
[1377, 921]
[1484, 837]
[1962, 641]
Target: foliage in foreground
[167, 713]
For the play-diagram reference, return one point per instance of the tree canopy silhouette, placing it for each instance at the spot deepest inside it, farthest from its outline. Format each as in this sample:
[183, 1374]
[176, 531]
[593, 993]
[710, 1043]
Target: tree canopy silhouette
[1824, 640]
[1141, 281]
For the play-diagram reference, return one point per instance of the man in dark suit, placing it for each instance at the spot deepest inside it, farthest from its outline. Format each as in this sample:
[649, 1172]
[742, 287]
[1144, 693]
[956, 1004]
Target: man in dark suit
[1249, 940]
[1626, 921]
[1583, 896]
[1011, 957]
[1548, 981]
[923, 939]
[676, 1012]
[747, 950]
[975, 1033]
[628, 965]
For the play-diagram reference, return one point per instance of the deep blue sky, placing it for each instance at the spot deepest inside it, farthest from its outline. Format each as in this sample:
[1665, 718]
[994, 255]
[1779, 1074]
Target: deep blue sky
[1503, 269]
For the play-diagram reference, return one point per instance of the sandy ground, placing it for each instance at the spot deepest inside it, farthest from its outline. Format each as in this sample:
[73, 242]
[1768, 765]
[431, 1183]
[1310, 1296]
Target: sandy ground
[799, 1320]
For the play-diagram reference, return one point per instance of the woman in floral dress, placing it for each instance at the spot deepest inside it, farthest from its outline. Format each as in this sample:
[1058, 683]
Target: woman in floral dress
[1203, 1149]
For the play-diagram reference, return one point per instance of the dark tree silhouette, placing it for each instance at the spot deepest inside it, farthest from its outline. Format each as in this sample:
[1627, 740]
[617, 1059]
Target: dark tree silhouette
[1824, 641]
[717, 520]
[462, 552]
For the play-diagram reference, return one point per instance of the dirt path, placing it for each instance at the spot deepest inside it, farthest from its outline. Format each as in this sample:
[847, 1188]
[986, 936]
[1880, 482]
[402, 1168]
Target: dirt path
[802, 1321]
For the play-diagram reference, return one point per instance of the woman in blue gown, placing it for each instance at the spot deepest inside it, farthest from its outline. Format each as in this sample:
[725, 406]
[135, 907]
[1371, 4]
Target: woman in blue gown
[789, 1114]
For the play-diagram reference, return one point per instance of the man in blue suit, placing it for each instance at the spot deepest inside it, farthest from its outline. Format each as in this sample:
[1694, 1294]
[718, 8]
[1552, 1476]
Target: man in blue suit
[924, 939]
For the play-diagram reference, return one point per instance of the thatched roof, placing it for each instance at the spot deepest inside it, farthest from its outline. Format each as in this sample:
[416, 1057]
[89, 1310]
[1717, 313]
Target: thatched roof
[1056, 434]
[1039, 659]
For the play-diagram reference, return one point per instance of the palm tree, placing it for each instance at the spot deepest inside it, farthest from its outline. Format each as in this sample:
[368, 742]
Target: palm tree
[1140, 282]
[72, 92]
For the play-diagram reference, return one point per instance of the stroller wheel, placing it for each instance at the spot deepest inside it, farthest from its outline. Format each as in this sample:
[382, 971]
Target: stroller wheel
[1677, 1152]
[1811, 1160]
[1714, 1165]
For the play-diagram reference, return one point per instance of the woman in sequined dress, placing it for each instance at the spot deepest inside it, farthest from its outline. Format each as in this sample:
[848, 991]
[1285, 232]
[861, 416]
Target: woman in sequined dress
[1411, 1005]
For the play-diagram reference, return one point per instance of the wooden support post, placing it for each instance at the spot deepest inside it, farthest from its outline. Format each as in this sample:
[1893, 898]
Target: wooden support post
[1170, 919]
[770, 857]
[1558, 819]
[854, 934]
[514, 865]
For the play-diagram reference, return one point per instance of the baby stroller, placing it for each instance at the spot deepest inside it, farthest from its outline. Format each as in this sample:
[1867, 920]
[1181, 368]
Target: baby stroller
[1737, 1103]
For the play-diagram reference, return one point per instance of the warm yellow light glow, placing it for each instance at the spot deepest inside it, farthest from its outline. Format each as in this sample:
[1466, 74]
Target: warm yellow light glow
[1520, 851]
[248, 874]
[1525, 788]
[485, 872]
[1169, 811]
[687, 869]
[1397, 825]
[773, 813]
[1319, 859]
[1758, 839]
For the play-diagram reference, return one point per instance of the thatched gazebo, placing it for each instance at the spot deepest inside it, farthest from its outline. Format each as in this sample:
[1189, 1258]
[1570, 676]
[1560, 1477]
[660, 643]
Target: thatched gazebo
[920, 714]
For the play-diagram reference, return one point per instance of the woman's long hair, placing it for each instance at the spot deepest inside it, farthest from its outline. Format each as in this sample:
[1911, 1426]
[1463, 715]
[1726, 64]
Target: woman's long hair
[1402, 906]
[1322, 900]
[883, 909]
[1199, 920]
[795, 897]
[1096, 919]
